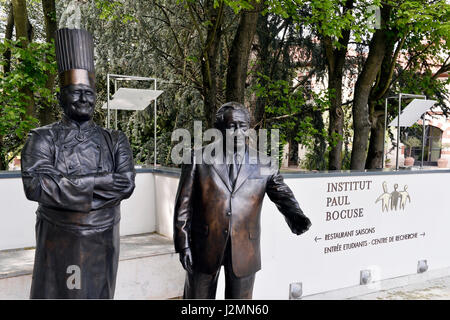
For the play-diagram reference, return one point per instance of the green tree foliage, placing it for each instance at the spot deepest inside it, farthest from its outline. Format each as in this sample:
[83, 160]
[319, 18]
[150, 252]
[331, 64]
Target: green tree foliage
[187, 46]
[414, 29]
[28, 71]
[417, 52]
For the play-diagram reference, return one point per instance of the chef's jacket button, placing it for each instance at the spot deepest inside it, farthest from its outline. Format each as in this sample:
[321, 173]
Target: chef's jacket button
[228, 213]
[65, 147]
[70, 167]
[98, 146]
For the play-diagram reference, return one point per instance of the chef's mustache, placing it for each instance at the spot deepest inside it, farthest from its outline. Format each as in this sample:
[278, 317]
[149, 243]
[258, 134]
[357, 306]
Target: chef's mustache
[83, 104]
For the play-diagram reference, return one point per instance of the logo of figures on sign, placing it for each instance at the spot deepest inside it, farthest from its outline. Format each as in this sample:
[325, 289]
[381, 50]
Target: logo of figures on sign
[394, 200]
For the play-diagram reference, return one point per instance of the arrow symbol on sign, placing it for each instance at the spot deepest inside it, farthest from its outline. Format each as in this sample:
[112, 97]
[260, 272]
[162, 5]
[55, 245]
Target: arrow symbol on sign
[423, 234]
[316, 238]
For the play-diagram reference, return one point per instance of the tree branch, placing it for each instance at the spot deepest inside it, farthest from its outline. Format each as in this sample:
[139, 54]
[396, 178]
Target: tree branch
[410, 62]
[171, 29]
[444, 68]
[392, 68]
[196, 26]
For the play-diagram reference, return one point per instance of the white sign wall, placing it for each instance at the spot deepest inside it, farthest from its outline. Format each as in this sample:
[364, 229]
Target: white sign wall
[384, 223]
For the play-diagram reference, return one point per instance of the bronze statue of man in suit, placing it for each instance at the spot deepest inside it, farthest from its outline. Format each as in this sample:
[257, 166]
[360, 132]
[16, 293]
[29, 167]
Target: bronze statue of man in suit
[217, 213]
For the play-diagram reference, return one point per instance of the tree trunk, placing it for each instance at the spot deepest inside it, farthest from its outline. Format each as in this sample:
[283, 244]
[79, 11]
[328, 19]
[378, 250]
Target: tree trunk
[335, 64]
[240, 52]
[335, 58]
[320, 145]
[264, 39]
[336, 126]
[21, 20]
[209, 62]
[8, 36]
[376, 144]
[3, 164]
[46, 116]
[361, 122]
[23, 32]
[375, 152]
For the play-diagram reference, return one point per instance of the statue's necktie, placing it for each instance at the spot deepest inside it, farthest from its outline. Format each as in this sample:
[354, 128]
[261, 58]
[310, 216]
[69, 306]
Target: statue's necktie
[234, 169]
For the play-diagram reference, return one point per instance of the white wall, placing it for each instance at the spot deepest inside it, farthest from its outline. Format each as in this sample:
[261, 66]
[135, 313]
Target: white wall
[287, 258]
[17, 218]
[166, 189]
[17, 214]
[138, 212]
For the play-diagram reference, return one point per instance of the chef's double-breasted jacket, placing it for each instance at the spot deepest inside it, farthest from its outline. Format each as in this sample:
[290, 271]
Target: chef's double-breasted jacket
[78, 174]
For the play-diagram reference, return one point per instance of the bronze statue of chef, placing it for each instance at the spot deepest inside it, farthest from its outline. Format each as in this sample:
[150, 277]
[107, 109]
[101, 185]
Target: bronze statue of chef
[79, 173]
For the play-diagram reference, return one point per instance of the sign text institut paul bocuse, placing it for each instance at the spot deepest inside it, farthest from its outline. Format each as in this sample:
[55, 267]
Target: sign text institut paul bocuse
[339, 207]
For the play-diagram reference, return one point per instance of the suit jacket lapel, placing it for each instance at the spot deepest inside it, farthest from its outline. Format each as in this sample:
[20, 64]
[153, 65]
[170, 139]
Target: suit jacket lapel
[245, 171]
[222, 171]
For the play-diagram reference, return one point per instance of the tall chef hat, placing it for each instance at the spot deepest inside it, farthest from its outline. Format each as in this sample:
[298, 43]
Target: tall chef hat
[75, 57]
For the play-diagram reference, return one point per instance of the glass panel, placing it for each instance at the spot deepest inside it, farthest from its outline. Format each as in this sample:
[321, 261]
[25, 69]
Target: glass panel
[435, 142]
[432, 148]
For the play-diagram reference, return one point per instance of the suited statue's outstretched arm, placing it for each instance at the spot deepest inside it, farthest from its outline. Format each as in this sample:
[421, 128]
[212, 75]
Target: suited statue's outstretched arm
[183, 215]
[285, 201]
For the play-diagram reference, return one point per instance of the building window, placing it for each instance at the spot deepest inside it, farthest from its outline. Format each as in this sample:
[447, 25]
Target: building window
[412, 138]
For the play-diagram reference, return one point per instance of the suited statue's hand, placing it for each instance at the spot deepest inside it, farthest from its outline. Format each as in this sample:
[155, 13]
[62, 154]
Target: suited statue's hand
[186, 259]
[302, 225]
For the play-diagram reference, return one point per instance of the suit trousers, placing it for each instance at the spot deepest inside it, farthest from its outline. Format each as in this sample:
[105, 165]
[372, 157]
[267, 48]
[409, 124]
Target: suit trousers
[203, 286]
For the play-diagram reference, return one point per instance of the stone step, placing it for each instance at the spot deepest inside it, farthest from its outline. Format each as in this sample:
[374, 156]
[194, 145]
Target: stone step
[148, 269]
